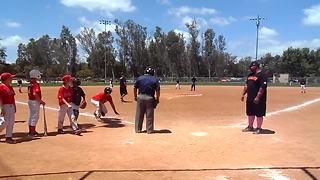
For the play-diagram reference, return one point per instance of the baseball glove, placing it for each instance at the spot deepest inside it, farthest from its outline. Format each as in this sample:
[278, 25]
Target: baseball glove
[83, 105]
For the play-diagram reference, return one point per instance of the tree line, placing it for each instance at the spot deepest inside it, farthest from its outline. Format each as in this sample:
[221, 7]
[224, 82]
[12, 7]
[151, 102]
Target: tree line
[130, 50]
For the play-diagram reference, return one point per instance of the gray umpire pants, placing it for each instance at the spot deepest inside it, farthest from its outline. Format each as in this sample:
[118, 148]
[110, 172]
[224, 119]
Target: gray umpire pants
[145, 105]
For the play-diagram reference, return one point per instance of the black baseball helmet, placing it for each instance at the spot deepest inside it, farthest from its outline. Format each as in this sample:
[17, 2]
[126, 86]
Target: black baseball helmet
[108, 90]
[254, 63]
[150, 71]
[76, 82]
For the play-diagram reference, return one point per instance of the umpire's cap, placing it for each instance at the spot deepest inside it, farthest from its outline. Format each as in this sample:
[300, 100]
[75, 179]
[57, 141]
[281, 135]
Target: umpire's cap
[108, 90]
[254, 63]
[150, 71]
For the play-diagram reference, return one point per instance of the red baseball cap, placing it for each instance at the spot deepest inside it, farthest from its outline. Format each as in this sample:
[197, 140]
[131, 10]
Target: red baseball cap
[67, 78]
[6, 75]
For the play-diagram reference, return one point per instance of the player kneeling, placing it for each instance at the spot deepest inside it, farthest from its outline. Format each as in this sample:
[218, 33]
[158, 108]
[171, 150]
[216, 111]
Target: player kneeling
[98, 101]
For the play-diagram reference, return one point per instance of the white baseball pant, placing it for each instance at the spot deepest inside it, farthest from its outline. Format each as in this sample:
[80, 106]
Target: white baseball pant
[63, 110]
[34, 109]
[8, 119]
[98, 108]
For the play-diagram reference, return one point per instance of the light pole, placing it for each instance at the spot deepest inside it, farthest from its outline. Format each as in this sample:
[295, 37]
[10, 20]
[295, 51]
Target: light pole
[105, 23]
[257, 19]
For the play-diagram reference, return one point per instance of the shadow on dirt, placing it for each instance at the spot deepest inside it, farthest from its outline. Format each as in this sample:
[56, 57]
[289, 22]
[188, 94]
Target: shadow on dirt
[112, 122]
[267, 131]
[21, 137]
[160, 131]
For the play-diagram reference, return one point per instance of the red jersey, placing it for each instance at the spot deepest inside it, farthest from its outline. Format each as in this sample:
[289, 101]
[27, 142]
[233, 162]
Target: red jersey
[102, 97]
[65, 93]
[33, 90]
[7, 94]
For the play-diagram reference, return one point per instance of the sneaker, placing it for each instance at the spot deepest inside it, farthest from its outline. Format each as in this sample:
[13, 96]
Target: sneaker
[33, 134]
[96, 116]
[60, 131]
[257, 131]
[248, 129]
[77, 132]
[9, 140]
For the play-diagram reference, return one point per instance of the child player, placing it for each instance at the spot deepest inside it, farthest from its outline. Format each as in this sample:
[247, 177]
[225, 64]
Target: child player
[35, 100]
[98, 101]
[65, 99]
[78, 98]
[7, 105]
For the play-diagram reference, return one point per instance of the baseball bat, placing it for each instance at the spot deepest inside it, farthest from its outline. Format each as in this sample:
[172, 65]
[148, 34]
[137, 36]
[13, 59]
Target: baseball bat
[45, 122]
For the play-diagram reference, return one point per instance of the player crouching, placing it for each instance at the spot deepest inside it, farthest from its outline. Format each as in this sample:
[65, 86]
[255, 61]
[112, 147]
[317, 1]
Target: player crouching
[98, 101]
[35, 100]
[77, 95]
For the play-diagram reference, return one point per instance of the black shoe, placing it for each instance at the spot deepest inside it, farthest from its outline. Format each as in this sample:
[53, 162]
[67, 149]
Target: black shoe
[60, 131]
[77, 132]
[9, 140]
[97, 117]
[257, 131]
[248, 129]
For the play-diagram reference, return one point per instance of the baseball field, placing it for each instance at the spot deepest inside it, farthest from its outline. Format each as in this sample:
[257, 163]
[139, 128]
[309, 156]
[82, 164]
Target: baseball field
[198, 137]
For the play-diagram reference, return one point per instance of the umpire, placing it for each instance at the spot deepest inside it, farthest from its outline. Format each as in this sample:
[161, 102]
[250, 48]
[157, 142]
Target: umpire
[256, 90]
[148, 86]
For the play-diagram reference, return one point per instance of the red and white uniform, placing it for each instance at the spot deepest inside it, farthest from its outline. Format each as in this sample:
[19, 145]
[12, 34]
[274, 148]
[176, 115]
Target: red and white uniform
[34, 105]
[9, 108]
[64, 93]
[100, 99]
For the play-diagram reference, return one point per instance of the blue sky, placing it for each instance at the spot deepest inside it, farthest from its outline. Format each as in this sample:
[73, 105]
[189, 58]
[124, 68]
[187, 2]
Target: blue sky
[293, 23]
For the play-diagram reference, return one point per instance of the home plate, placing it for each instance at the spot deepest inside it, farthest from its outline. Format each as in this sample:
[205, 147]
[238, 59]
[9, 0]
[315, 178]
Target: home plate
[198, 134]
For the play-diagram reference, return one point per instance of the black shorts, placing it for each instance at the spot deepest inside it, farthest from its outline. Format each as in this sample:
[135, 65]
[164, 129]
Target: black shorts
[253, 109]
[123, 91]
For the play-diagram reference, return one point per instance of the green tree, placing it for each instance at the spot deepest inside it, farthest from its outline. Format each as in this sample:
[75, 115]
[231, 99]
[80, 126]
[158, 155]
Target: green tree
[209, 50]
[69, 47]
[3, 54]
[132, 46]
[194, 47]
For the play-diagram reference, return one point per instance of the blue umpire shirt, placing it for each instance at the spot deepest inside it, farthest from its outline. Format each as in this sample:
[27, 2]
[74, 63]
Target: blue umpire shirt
[147, 84]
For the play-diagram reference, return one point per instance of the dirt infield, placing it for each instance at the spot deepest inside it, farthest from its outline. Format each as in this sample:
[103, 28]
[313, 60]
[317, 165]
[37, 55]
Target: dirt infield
[199, 137]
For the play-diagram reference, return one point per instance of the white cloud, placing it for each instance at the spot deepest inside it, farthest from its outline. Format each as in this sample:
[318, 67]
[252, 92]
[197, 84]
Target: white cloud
[186, 19]
[267, 33]
[183, 10]
[312, 16]
[11, 41]
[95, 25]
[269, 43]
[104, 5]
[223, 21]
[281, 46]
[13, 24]
[204, 16]
[185, 34]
